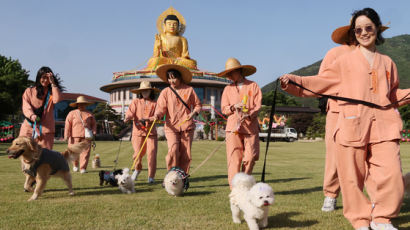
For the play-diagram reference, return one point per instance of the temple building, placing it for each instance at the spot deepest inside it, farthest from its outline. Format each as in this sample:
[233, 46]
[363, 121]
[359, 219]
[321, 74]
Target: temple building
[170, 47]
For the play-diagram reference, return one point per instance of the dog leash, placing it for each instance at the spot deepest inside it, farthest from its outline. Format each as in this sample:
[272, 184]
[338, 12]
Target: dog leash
[272, 112]
[352, 100]
[216, 149]
[116, 159]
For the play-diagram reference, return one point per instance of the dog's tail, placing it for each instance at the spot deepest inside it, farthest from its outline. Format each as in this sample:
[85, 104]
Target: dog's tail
[73, 151]
[243, 181]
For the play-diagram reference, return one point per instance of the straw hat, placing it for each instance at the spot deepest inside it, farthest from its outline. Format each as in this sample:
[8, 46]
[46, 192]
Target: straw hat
[145, 85]
[163, 69]
[341, 34]
[233, 64]
[81, 100]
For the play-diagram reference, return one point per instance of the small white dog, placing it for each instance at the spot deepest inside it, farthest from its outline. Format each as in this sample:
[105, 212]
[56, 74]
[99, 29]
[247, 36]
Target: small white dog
[125, 182]
[407, 184]
[176, 181]
[252, 198]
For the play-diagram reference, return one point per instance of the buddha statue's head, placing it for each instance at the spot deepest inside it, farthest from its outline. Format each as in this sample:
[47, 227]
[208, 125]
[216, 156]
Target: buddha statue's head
[171, 24]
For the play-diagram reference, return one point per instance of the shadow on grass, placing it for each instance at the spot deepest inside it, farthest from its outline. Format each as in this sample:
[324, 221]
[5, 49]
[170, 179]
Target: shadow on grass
[283, 220]
[300, 191]
[209, 186]
[405, 208]
[188, 193]
[207, 178]
[111, 191]
[284, 180]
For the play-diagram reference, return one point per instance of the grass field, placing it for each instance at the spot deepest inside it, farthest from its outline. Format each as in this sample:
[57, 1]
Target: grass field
[294, 170]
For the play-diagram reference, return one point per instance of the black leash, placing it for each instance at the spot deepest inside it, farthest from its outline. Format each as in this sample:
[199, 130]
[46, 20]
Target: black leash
[272, 112]
[351, 100]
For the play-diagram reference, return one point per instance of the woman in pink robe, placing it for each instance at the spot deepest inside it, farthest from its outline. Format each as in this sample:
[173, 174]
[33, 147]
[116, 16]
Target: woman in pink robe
[241, 102]
[74, 131]
[179, 125]
[139, 111]
[38, 107]
[367, 138]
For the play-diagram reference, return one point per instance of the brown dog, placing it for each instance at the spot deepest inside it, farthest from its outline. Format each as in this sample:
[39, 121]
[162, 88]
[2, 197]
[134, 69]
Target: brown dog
[38, 164]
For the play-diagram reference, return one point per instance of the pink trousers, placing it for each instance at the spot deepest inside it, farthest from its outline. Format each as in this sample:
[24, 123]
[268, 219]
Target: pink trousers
[381, 162]
[84, 156]
[331, 186]
[242, 150]
[179, 149]
[150, 149]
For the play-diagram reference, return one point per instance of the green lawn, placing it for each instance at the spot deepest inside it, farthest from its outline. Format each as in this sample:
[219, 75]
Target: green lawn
[294, 170]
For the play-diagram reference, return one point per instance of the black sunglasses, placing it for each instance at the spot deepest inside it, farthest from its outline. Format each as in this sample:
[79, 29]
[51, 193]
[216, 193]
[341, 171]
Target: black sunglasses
[359, 30]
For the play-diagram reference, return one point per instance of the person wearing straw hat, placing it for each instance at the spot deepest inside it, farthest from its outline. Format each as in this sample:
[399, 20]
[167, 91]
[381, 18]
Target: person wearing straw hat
[241, 102]
[38, 107]
[331, 186]
[366, 135]
[77, 123]
[179, 103]
[139, 111]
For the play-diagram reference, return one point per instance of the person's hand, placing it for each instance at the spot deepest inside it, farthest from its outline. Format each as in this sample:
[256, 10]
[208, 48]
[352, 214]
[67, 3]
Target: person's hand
[244, 116]
[284, 80]
[125, 120]
[238, 106]
[191, 115]
[151, 119]
[35, 118]
[51, 78]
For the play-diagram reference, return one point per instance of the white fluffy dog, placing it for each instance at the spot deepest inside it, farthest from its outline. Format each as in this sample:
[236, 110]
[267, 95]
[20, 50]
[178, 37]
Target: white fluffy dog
[252, 198]
[407, 184]
[176, 181]
[125, 182]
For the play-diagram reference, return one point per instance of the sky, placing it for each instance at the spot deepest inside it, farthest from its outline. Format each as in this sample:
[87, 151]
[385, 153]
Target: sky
[85, 41]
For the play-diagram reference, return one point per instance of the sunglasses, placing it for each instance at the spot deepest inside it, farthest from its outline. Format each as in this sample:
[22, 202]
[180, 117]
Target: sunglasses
[359, 30]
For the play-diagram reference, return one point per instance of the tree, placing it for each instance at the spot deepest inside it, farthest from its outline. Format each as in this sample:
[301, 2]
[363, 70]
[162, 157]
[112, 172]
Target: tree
[300, 121]
[13, 82]
[317, 127]
[103, 112]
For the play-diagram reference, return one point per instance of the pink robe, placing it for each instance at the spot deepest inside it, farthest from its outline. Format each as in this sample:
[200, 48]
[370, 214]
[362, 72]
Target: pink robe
[143, 109]
[331, 186]
[241, 147]
[179, 133]
[366, 138]
[30, 103]
[74, 133]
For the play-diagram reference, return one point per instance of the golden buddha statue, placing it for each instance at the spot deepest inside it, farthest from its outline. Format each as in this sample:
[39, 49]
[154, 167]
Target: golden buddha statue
[170, 46]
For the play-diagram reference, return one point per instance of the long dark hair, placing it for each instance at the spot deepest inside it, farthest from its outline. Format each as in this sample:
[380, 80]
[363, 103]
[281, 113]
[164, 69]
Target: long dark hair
[175, 73]
[40, 89]
[374, 17]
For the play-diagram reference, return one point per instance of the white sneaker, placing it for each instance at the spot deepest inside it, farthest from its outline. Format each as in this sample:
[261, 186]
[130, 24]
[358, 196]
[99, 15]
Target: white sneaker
[363, 228]
[329, 204]
[75, 169]
[135, 174]
[151, 180]
[83, 171]
[381, 226]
